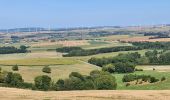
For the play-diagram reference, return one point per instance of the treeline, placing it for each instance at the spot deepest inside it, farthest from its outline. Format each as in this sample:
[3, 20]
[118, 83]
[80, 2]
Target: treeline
[124, 63]
[152, 45]
[97, 80]
[77, 51]
[11, 49]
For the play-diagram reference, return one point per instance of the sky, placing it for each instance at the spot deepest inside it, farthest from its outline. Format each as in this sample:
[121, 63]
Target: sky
[82, 13]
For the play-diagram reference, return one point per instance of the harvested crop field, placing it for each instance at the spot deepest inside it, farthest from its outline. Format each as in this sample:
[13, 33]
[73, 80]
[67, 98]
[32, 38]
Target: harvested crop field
[145, 39]
[20, 94]
[62, 43]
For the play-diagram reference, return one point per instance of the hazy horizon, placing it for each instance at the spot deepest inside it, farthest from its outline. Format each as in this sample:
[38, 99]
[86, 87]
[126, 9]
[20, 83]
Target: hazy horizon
[88, 13]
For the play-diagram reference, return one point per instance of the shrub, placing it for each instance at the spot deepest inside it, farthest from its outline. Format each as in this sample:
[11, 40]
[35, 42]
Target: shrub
[42, 82]
[25, 85]
[88, 85]
[76, 74]
[129, 78]
[105, 82]
[73, 83]
[109, 68]
[46, 69]
[163, 78]
[124, 67]
[95, 73]
[138, 69]
[13, 79]
[2, 76]
[140, 82]
[15, 68]
[127, 84]
[59, 85]
[145, 78]
[153, 80]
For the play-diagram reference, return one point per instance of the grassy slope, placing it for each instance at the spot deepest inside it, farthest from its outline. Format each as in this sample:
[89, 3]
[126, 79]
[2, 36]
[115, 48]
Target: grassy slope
[40, 61]
[58, 71]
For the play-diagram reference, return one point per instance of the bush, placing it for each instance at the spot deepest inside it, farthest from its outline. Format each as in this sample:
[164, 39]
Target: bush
[15, 68]
[73, 83]
[46, 69]
[42, 82]
[129, 78]
[138, 69]
[76, 74]
[127, 84]
[59, 85]
[163, 78]
[105, 82]
[95, 73]
[124, 67]
[2, 76]
[88, 85]
[13, 79]
[25, 85]
[153, 80]
[109, 68]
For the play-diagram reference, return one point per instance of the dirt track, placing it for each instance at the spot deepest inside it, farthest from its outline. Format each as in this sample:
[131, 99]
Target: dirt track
[20, 94]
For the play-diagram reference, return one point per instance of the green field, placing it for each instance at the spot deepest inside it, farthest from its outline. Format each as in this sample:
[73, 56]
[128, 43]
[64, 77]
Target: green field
[40, 61]
[165, 85]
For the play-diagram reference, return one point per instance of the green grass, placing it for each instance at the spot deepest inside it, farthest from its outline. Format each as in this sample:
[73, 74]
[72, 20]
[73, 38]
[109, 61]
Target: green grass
[165, 85]
[103, 44]
[112, 54]
[39, 61]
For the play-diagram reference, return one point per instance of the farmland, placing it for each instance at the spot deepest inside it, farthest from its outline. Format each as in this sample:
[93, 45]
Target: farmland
[21, 94]
[43, 53]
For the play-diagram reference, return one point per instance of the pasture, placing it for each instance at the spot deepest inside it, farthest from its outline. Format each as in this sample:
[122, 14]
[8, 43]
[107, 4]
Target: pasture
[58, 71]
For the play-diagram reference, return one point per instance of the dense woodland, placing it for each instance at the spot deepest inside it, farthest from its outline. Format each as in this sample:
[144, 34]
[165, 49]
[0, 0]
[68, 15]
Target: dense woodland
[124, 63]
[9, 50]
[77, 51]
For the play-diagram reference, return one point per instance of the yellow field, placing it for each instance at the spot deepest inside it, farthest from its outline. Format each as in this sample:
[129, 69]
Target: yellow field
[20, 94]
[115, 37]
[62, 43]
[58, 71]
[40, 61]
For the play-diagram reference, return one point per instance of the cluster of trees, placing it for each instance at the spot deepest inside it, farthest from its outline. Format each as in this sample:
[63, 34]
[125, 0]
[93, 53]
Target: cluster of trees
[9, 50]
[156, 58]
[144, 78]
[152, 45]
[77, 51]
[97, 80]
[124, 63]
[9, 79]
